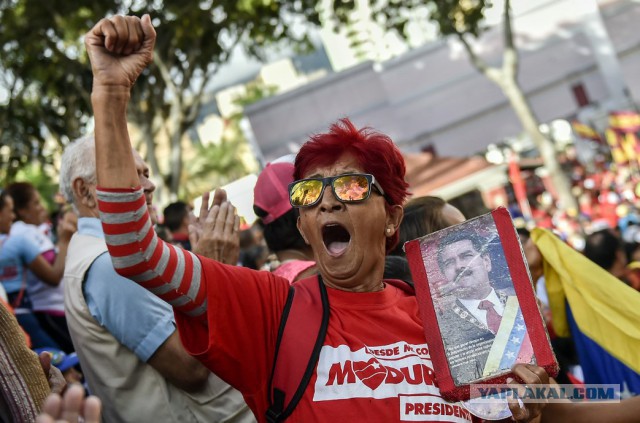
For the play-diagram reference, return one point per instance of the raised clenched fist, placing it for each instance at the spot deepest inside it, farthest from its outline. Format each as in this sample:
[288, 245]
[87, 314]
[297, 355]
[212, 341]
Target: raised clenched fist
[119, 49]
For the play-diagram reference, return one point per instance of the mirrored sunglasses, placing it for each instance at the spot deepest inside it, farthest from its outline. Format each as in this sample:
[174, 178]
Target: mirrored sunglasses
[347, 188]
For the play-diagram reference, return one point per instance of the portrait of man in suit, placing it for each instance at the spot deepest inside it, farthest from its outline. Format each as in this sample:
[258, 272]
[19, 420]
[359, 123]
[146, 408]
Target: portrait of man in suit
[478, 313]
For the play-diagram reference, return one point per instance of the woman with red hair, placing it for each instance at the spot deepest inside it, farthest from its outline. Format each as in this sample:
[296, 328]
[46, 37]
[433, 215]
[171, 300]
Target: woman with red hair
[373, 364]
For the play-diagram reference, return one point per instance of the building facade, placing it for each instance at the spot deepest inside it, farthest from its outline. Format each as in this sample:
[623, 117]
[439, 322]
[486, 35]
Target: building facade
[432, 96]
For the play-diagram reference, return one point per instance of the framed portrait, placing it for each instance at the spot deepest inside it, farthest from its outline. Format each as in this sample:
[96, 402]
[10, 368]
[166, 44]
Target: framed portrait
[477, 303]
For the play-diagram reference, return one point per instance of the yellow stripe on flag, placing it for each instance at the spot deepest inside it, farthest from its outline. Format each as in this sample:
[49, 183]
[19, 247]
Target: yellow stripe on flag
[502, 337]
[605, 309]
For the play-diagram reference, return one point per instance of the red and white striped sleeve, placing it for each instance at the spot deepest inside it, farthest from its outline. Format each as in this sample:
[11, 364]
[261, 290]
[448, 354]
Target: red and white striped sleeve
[171, 273]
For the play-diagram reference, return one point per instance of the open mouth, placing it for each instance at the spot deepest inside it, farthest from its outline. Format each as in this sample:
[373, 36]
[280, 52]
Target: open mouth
[336, 238]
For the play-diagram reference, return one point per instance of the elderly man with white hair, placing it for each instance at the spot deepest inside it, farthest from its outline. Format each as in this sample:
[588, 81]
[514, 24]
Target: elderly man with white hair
[134, 360]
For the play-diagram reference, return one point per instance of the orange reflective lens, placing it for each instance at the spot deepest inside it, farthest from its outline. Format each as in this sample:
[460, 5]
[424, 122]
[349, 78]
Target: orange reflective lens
[351, 187]
[348, 188]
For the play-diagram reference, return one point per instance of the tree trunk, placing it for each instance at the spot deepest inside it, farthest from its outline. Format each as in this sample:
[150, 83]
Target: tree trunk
[545, 146]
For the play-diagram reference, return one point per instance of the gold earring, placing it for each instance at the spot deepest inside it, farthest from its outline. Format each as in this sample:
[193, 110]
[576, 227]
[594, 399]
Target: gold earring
[388, 230]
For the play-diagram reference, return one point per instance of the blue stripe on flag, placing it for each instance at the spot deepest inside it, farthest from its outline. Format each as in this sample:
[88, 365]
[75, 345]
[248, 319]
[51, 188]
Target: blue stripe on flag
[598, 365]
[518, 332]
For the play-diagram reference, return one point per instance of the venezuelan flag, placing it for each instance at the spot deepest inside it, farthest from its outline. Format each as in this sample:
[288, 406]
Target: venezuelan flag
[601, 313]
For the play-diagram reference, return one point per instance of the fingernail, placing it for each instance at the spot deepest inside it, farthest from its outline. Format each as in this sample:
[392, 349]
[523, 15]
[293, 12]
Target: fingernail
[509, 380]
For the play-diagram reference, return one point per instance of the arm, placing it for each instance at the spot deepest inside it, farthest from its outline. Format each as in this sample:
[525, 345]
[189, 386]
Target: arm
[626, 411]
[46, 272]
[119, 49]
[171, 273]
[50, 274]
[178, 367]
[114, 302]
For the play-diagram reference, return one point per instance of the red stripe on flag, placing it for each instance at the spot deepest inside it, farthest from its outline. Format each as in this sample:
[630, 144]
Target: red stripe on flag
[526, 351]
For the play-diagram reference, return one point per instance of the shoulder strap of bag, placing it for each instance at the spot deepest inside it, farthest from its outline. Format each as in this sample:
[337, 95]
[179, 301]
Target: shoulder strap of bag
[303, 327]
[405, 286]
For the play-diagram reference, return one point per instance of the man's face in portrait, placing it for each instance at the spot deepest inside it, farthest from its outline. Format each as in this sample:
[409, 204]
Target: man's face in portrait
[466, 270]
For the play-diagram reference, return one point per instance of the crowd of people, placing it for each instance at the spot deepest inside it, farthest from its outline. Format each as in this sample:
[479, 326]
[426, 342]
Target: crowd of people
[182, 321]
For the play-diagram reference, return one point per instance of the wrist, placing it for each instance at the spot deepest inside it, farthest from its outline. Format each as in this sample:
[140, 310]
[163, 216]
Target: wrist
[110, 92]
[109, 102]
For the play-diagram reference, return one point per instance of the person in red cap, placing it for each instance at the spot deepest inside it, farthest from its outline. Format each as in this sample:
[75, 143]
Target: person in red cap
[271, 204]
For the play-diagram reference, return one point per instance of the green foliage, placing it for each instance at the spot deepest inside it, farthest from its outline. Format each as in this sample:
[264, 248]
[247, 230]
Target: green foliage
[44, 76]
[217, 164]
[45, 80]
[43, 182]
[256, 91]
[452, 16]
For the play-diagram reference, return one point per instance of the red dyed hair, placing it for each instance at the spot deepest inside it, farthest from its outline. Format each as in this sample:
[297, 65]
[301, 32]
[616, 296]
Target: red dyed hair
[376, 153]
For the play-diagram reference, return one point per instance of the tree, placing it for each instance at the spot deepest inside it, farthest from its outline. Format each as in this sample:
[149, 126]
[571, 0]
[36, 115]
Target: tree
[217, 164]
[464, 20]
[44, 81]
[48, 80]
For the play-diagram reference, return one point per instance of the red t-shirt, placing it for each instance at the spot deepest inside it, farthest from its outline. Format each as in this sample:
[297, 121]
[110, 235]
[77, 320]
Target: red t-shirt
[374, 364]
